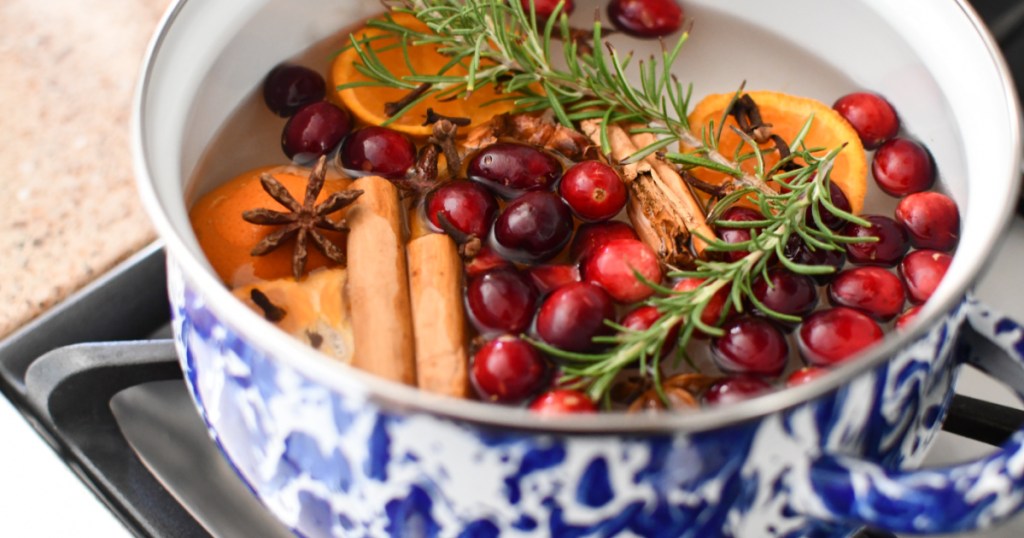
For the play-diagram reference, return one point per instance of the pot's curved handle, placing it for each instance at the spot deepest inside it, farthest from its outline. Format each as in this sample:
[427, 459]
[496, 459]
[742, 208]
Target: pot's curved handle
[961, 497]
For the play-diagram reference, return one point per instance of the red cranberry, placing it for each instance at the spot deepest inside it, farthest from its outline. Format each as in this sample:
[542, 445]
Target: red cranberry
[502, 300]
[923, 270]
[713, 310]
[805, 375]
[314, 131]
[829, 219]
[903, 167]
[545, 8]
[563, 402]
[289, 87]
[800, 252]
[484, 261]
[378, 150]
[872, 290]
[507, 370]
[831, 336]
[533, 228]
[573, 315]
[734, 235]
[614, 267]
[892, 242]
[735, 389]
[786, 292]
[931, 219]
[643, 318]
[871, 116]
[907, 318]
[511, 169]
[646, 18]
[594, 234]
[469, 207]
[750, 346]
[550, 277]
[593, 190]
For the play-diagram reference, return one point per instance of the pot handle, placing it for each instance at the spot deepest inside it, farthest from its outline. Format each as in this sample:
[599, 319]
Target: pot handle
[955, 498]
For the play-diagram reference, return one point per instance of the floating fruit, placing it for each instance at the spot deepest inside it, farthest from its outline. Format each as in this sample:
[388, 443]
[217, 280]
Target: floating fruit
[466, 205]
[563, 402]
[871, 115]
[593, 190]
[643, 318]
[646, 18]
[832, 336]
[623, 267]
[903, 167]
[786, 292]
[872, 290]
[550, 277]
[501, 300]
[923, 271]
[734, 235]
[931, 219]
[507, 370]
[887, 250]
[750, 346]
[289, 87]
[573, 315]
[511, 169]
[533, 228]
[377, 151]
[594, 234]
[314, 131]
[735, 389]
[713, 308]
[800, 252]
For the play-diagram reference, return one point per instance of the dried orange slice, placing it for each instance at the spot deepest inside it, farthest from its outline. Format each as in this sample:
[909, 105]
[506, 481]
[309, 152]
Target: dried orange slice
[367, 102]
[787, 115]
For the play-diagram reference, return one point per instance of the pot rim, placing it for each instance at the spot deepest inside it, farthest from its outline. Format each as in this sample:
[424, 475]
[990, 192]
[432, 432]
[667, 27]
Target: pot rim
[403, 399]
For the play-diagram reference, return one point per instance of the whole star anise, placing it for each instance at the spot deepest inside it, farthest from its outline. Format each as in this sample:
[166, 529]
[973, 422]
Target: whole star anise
[302, 221]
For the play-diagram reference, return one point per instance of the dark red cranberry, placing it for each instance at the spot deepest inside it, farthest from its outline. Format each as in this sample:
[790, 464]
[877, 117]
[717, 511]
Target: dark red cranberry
[733, 235]
[907, 318]
[314, 130]
[903, 167]
[750, 346]
[507, 370]
[805, 375]
[786, 292]
[646, 18]
[871, 116]
[887, 251]
[594, 234]
[563, 402]
[593, 190]
[289, 87]
[533, 227]
[379, 151]
[735, 389]
[931, 219]
[545, 8]
[831, 336]
[573, 315]
[643, 318]
[550, 277]
[469, 207]
[872, 290]
[829, 219]
[501, 300]
[923, 270]
[800, 252]
[484, 261]
[714, 307]
[511, 169]
[615, 264]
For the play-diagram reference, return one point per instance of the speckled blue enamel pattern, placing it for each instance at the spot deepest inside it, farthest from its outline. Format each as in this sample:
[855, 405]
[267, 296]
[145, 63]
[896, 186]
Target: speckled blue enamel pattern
[333, 464]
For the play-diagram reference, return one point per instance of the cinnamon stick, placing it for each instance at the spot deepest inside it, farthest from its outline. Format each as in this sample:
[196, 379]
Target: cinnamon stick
[378, 285]
[435, 282]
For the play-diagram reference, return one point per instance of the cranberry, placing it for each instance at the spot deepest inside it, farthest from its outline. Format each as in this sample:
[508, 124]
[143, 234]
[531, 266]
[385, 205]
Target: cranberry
[871, 116]
[831, 336]
[507, 370]
[872, 290]
[643, 318]
[533, 228]
[501, 300]
[593, 190]
[289, 87]
[378, 150]
[595, 234]
[892, 242]
[469, 208]
[735, 389]
[646, 18]
[314, 131]
[733, 235]
[923, 270]
[786, 292]
[563, 402]
[545, 8]
[931, 219]
[615, 265]
[800, 252]
[829, 219]
[484, 261]
[750, 346]
[805, 375]
[903, 167]
[573, 315]
[907, 317]
[714, 307]
[511, 169]
[550, 277]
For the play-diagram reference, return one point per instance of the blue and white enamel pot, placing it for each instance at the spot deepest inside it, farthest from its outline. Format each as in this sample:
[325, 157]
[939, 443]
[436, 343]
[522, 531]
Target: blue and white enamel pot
[333, 451]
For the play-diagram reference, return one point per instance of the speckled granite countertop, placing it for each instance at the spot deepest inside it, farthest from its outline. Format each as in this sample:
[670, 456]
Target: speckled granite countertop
[68, 207]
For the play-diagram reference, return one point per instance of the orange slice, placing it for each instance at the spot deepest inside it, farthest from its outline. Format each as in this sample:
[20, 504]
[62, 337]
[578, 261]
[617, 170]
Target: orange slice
[787, 115]
[367, 102]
